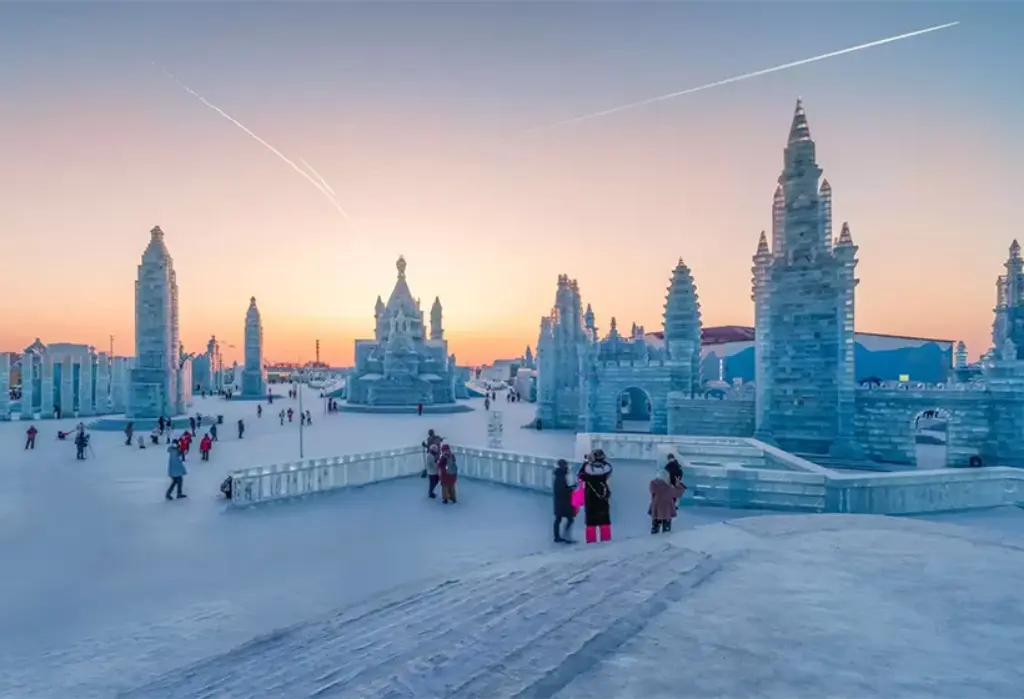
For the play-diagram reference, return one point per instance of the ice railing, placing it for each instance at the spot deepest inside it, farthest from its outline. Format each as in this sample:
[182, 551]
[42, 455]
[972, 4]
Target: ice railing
[297, 479]
[922, 386]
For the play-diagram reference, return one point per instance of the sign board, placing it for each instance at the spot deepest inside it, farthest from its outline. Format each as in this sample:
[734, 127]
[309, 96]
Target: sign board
[495, 429]
[904, 378]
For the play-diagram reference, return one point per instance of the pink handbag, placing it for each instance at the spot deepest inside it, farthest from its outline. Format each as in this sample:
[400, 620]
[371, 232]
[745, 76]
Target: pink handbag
[577, 497]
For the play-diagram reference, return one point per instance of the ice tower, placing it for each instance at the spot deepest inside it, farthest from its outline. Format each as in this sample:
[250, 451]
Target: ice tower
[803, 290]
[154, 378]
[562, 335]
[254, 383]
[682, 330]
[1009, 311]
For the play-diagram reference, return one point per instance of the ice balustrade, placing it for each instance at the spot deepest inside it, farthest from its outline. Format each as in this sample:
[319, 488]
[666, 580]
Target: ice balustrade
[261, 484]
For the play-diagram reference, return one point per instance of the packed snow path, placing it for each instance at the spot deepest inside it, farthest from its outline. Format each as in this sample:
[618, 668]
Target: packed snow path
[788, 606]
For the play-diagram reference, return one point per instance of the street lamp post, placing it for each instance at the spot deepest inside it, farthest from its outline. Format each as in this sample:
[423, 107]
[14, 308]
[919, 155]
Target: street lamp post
[302, 419]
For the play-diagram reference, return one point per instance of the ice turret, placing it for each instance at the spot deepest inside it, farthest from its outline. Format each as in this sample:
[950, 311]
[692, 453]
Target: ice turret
[253, 378]
[154, 378]
[436, 326]
[528, 357]
[799, 130]
[845, 238]
[825, 206]
[588, 322]
[682, 327]
[779, 221]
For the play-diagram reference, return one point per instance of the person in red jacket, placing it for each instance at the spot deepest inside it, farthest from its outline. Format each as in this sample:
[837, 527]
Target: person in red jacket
[448, 470]
[184, 441]
[30, 441]
[205, 444]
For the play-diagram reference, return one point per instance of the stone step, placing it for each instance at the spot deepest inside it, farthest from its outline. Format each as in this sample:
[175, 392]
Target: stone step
[495, 633]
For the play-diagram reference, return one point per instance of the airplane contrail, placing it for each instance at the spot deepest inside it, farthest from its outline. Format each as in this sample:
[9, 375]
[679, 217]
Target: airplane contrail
[318, 175]
[739, 78]
[326, 192]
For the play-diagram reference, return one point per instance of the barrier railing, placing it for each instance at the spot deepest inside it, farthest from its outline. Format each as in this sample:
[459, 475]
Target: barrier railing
[252, 486]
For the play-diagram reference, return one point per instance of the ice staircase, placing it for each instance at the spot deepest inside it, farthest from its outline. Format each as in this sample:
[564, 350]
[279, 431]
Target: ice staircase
[520, 629]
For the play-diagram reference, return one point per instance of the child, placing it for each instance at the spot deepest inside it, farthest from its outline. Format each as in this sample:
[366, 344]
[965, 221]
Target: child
[665, 491]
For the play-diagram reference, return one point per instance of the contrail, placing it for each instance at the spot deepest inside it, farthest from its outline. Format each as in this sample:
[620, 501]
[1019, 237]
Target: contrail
[317, 175]
[326, 192]
[738, 78]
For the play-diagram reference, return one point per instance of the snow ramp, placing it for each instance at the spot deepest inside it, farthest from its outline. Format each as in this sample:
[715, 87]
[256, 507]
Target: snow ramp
[780, 606]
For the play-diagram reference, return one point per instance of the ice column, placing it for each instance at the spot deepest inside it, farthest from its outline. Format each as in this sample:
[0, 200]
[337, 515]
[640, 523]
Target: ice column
[67, 387]
[46, 385]
[103, 384]
[5, 386]
[27, 381]
[85, 397]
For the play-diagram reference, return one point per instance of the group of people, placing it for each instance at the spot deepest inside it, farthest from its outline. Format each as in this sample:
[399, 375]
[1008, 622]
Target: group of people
[440, 467]
[589, 488]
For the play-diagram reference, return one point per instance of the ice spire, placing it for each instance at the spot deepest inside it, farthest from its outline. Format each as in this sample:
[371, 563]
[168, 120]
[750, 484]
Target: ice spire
[762, 245]
[845, 239]
[799, 130]
[436, 328]
[825, 206]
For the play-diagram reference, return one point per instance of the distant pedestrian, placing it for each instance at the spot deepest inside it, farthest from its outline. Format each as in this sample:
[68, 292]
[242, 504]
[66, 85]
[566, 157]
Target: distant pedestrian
[419, 408]
[241, 428]
[30, 437]
[448, 473]
[129, 430]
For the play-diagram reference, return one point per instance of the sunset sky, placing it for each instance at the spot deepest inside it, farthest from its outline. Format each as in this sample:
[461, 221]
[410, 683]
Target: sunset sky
[415, 114]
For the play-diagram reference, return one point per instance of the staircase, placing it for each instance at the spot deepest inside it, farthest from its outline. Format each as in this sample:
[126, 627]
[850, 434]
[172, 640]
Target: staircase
[522, 629]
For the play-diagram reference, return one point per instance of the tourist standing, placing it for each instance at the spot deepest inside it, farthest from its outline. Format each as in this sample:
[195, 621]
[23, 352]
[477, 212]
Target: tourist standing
[30, 437]
[129, 430]
[205, 445]
[213, 430]
[597, 497]
[433, 454]
[241, 428]
[81, 442]
[448, 473]
[665, 491]
[176, 470]
[563, 483]
[259, 411]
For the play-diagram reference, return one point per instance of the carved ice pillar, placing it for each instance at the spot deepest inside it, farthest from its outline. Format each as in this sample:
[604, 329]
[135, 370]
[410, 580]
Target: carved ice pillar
[28, 375]
[46, 385]
[103, 377]
[85, 404]
[5, 386]
[67, 387]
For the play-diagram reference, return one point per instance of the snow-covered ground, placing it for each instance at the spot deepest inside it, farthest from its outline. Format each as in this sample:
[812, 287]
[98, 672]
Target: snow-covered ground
[104, 585]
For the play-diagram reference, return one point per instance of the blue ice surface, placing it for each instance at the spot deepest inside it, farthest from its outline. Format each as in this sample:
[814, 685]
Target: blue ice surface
[115, 586]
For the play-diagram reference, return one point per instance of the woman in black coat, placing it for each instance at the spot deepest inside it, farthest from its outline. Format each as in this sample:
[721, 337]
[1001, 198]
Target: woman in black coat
[597, 497]
[562, 486]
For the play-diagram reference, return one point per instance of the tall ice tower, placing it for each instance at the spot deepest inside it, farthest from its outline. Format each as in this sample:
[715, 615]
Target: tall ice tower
[803, 291]
[154, 378]
[254, 383]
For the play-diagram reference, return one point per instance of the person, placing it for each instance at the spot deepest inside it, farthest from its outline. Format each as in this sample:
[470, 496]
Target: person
[290, 414]
[309, 418]
[432, 439]
[419, 408]
[81, 442]
[30, 441]
[281, 416]
[448, 472]
[154, 436]
[433, 454]
[597, 497]
[563, 483]
[205, 445]
[674, 469]
[226, 487]
[213, 431]
[241, 428]
[665, 491]
[192, 425]
[259, 411]
[129, 430]
[176, 470]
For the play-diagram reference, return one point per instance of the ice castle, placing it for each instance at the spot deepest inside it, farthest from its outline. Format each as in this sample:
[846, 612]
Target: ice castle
[804, 397]
[402, 366]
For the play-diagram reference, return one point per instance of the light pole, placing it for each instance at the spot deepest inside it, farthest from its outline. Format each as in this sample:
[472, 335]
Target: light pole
[302, 418]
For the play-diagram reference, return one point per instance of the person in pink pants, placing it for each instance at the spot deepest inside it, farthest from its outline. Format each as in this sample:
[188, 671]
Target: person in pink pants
[597, 497]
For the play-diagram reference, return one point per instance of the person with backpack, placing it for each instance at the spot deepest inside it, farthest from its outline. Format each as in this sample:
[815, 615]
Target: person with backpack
[563, 484]
[597, 497]
[448, 471]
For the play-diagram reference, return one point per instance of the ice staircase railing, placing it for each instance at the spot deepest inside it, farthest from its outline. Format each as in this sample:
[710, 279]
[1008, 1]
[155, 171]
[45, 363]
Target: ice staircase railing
[735, 487]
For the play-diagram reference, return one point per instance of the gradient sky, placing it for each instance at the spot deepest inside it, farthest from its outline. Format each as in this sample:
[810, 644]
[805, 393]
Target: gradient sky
[414, 114]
